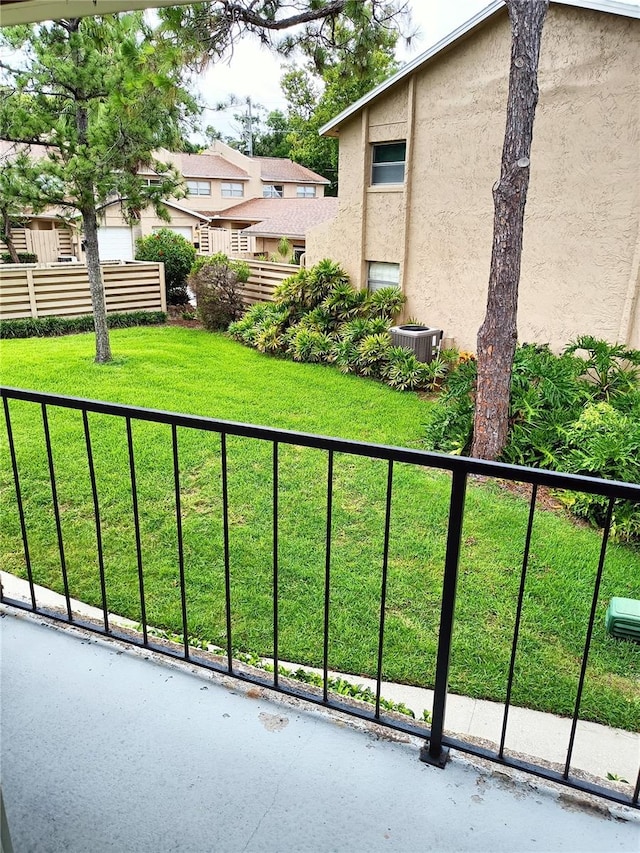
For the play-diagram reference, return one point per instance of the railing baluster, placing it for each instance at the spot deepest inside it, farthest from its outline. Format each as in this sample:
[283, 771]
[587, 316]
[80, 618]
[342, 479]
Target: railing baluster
[225, 536]
[438, 744]
[383, 590]
[434, 753]
[16, 482]
[56, 511]
[592, 616]
[275, 565]
[327, 579]
[136, 527]
[96, 515]
[516, 627]
[183, 592]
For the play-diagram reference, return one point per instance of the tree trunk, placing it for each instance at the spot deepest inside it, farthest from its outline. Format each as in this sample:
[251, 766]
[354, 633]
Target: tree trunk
[90, 228]
[8, 240]
[96, 286]
[498, 334]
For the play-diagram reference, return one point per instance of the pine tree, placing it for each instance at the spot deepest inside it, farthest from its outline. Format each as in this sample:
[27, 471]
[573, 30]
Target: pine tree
[102, 94]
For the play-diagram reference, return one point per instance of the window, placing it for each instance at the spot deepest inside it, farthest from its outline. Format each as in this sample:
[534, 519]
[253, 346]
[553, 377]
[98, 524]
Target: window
[382, 275]
[232, 191]
[272, 191]
[199, 187]
[387, 165]
[306, 192]
[153, 182]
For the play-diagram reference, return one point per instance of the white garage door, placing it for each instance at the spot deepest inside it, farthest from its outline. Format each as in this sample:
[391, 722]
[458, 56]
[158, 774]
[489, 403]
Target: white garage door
[183, 230]
[116, 244]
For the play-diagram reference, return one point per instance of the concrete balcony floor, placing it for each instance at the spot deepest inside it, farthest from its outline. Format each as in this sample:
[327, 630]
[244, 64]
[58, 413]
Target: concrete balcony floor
[106, 748]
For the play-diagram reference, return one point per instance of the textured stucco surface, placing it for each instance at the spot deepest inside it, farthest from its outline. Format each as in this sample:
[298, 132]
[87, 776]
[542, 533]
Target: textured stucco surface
[582, 231]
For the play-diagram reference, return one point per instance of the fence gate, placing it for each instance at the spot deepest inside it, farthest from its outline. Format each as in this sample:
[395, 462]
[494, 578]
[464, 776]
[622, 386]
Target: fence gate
[43, 244]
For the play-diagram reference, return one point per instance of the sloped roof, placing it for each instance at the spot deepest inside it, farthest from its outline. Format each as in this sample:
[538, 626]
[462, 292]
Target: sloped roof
[205, 166]
[281, 217]
[332, 127]
[285, 170]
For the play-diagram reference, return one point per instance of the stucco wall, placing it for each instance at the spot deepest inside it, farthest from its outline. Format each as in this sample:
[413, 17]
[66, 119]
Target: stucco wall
[581, 240]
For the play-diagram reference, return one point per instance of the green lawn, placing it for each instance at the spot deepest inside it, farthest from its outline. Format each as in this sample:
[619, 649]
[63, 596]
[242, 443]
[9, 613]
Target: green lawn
[188, 370]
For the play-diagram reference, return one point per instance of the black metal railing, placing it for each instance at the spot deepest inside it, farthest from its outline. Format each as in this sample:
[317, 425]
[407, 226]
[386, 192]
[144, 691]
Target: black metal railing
[437, 742]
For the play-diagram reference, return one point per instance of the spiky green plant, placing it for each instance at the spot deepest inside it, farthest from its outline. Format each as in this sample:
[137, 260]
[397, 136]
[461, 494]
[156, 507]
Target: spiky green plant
[345, 303]
[403, 371]
[387, 302]
[323, 278]
[373, 353]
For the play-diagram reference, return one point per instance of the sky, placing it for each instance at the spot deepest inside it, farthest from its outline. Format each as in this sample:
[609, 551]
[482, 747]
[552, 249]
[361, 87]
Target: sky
[255, 71]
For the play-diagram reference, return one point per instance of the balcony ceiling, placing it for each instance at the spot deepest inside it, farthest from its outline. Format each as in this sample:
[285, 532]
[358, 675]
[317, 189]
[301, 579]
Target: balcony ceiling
[28, 11]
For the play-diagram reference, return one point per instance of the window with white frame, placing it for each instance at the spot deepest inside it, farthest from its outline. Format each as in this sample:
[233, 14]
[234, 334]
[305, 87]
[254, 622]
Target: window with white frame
[388, 162]
[306, 192]
[232, 190]
[199, 187]
[153, 182]
[381, 274]
[272, 191]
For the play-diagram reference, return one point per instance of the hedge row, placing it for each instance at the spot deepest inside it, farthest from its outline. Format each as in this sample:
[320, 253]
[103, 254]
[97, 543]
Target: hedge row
[46, 327]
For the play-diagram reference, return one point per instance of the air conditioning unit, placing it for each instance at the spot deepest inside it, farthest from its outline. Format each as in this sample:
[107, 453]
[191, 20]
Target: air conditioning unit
[423, 340]
[67, 259]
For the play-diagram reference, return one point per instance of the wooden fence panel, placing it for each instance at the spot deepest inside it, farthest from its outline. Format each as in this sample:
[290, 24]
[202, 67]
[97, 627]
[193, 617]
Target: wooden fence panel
[30, 290]
[46, 245]
[263, 279]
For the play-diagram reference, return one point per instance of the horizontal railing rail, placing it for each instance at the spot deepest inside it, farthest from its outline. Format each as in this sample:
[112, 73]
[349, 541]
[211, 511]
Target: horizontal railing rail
[437, 741]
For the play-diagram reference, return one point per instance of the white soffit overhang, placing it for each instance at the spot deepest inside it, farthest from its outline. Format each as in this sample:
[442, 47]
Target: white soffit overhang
[14, 12]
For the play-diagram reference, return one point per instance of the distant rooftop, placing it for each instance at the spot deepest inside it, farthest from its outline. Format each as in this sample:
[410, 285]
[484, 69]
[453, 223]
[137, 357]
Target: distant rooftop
[277, 217]
[283, 169]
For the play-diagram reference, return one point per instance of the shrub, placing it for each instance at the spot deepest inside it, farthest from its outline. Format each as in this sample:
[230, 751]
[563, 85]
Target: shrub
[386, 302]
[241, 268]
[546, 396]
[178, 256]
[611, 368]
[559, 419]
[373, 354]
[606, 443]
[217, 292]
[403, 371]
[43, 327]
[317, 316]
[23, 258]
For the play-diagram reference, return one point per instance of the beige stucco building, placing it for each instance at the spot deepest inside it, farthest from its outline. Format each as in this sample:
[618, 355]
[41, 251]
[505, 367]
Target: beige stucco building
[225, 191]
[420, 153]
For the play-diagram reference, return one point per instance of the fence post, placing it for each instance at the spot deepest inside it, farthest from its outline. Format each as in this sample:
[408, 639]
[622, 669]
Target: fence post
[33, 304]
[163, 290]
[433, 752]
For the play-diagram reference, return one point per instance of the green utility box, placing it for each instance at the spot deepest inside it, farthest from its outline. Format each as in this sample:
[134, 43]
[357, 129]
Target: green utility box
[623, 618]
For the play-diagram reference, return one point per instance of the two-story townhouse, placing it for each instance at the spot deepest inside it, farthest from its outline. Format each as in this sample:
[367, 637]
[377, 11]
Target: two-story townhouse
[220, 182]
[420, 153]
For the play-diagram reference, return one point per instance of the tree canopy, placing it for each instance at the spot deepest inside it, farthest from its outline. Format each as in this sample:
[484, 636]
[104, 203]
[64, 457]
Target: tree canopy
[100, 95]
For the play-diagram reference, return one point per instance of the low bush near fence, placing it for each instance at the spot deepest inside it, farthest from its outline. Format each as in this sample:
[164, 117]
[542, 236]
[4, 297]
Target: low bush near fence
[47, 327]
[23, 258]
[178, 256]
[216, 282]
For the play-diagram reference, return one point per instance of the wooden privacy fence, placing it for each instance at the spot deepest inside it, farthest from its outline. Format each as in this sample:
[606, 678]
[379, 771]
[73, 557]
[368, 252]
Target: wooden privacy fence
[263, 279]
[227, 240]
[32, 290]
[46, 245]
